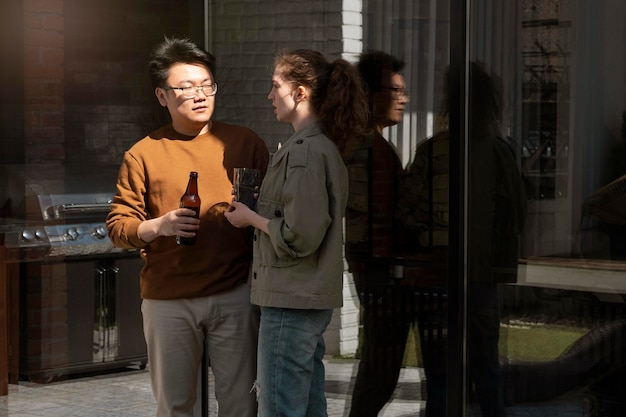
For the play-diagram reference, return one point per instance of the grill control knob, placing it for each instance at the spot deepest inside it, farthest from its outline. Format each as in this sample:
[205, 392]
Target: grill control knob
[27, 235]
[71, 233]
[33, 236]
[99, 232]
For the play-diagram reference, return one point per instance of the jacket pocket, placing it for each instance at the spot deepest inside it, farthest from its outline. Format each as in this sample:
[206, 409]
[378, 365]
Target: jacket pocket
[269, 208]
[264, 247]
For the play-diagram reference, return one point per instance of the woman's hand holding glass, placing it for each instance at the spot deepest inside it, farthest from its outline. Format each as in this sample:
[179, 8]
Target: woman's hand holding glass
[239, 214]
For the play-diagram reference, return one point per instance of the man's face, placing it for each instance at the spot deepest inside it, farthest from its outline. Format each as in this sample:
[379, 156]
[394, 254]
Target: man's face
[190, 116]
[389, 103]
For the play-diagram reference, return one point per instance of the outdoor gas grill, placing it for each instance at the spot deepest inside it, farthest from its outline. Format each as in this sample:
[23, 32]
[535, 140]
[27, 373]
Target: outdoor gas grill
[78, 295]
[69, 225]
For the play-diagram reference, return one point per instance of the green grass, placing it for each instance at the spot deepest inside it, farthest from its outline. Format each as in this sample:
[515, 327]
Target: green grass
[412, 352]
[538, 343]
[531, 343]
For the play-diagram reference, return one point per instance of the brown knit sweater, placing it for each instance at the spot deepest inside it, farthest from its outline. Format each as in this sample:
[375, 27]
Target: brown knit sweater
[152, 178]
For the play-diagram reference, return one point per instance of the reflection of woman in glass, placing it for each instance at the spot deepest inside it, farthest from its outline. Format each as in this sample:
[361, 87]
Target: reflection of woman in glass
[297, 275]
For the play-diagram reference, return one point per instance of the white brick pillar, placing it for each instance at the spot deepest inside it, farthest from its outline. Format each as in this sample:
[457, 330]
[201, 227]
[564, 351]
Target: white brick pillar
[342, 335]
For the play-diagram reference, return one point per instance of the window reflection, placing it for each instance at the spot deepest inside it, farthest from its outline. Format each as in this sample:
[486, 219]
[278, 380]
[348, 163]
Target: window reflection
[400, 281]
[397, 260]
[565, 294]
[559, 279]
[496, 215]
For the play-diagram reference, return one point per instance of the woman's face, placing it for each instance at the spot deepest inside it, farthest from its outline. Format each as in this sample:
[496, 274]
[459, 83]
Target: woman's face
[283, 98]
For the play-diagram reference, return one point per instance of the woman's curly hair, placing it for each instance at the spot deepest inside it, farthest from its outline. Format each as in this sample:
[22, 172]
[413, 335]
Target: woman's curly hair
[337, 94]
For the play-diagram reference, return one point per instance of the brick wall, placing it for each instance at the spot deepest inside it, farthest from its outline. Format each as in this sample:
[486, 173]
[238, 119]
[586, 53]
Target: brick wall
[44, 138]
[245, 35]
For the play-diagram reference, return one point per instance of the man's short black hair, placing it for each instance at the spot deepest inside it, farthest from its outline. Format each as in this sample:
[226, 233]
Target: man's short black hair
[177, 51]
[376, 68]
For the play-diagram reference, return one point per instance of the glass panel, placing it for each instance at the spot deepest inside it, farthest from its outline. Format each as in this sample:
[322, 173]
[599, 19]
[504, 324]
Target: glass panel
[545, 223]
[108, 100]
[11, 109]
[397, 219]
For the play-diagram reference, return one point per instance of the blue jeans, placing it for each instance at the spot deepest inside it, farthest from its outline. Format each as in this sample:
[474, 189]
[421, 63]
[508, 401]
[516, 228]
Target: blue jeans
[290, 376]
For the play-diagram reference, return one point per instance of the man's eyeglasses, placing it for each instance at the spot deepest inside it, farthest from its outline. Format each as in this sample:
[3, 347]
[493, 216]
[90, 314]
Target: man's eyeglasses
[192, 92]
[398, 93]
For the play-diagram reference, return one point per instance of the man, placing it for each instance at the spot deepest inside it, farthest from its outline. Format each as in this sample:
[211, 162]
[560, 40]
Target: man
[196, 294]
[372, 240]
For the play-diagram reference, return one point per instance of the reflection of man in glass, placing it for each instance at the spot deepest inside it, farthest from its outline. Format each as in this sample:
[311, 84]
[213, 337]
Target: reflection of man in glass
[371, 238]
[496, 212]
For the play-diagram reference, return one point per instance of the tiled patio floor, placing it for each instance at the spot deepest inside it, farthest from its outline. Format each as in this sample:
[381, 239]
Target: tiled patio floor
[128, 394]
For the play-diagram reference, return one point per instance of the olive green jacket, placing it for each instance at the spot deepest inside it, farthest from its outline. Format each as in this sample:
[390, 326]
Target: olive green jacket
[304, 194]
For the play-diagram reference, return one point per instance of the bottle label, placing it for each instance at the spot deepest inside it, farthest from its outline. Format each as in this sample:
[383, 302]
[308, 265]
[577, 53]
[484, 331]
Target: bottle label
[195, 209]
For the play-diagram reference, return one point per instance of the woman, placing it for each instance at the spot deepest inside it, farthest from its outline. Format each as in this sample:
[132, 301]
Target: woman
[298, 264]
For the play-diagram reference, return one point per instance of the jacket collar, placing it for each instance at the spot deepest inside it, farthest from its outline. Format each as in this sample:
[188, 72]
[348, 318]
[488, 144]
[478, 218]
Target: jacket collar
[312, 129]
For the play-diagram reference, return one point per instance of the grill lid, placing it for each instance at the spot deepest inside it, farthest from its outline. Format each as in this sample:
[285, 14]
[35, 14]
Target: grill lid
[70, 225]
[74, 206]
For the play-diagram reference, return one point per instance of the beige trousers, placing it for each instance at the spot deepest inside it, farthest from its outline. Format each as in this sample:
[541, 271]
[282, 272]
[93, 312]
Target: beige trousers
[176, 331]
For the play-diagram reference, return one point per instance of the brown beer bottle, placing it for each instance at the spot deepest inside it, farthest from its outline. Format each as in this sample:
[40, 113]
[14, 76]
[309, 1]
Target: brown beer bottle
[190, 200]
